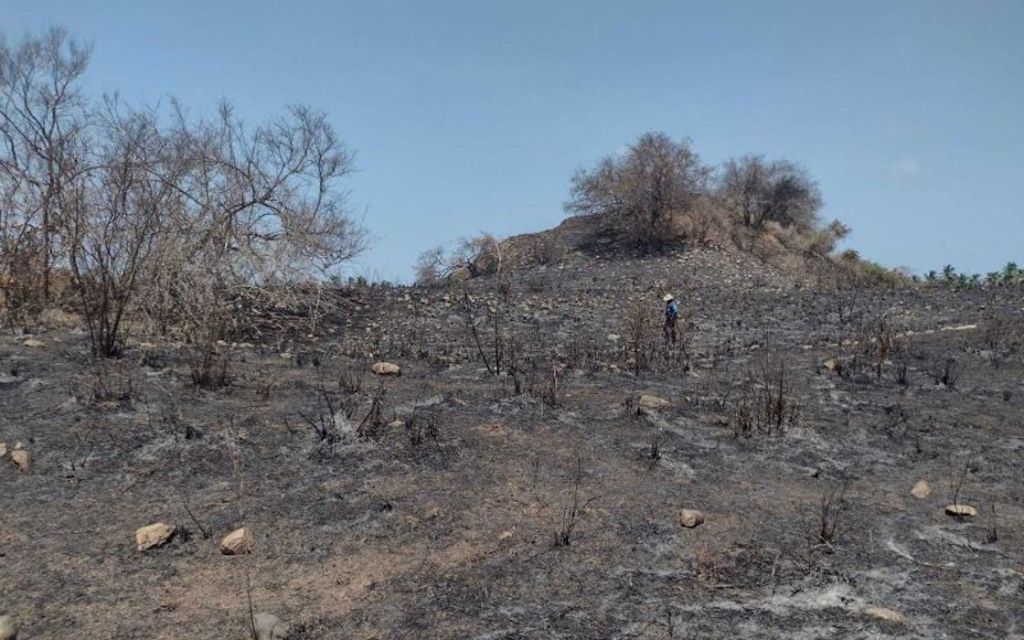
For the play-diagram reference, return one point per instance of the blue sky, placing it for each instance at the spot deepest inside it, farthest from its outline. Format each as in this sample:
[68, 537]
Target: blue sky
[471, 116]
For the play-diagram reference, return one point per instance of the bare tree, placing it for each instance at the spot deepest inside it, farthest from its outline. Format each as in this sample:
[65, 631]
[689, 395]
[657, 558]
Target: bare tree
[113, 216]
[171, 218]
[639, 191]
[261, 209]
[41, 119]
[432, 267]
[757, 191]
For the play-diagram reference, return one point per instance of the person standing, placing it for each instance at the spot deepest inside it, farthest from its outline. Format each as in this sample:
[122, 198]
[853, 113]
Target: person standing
[671, 318]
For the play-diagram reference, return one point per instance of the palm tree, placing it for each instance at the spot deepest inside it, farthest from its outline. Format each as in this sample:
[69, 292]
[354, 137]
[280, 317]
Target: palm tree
[949, 273]
[1010, 272]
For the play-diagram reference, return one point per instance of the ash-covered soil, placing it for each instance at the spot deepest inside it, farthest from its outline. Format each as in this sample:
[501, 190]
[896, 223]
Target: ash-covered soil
[542, 502]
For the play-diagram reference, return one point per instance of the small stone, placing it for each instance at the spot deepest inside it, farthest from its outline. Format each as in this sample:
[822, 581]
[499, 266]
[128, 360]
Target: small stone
[34, 343]
[886, 614]
[386, 369]
[504, 535]
[8, 628]
[652, 403]
[961, 511]
[269, 627]
[237, 542]
[153, 535]
[21, 457]
[921, 490]
[831, 364]
[3, 449]
[691, 518]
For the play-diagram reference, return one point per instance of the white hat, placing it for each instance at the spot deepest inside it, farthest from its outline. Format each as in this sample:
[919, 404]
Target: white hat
[668, 297]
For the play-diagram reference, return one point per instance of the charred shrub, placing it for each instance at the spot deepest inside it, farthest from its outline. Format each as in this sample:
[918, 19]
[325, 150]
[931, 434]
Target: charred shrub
[328, 416]
[640, 331]
[372, 425]
[766, 404]
[946, 372]
[422, 428]
[832, 503]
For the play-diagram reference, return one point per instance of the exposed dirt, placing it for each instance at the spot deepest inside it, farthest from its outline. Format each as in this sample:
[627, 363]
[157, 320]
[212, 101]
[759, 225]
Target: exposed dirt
[444, 525]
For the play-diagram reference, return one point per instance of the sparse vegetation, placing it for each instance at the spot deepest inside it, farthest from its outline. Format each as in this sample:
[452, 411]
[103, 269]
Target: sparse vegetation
[156, 216]
[638, 193]
[411, 458]
[766, 403]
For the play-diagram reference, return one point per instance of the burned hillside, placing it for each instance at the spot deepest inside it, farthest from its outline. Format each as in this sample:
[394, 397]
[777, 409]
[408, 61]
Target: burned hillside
[532, 471]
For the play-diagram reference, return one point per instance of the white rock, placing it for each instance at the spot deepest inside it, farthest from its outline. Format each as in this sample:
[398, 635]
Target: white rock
[691, 518]
[886, 614]
[386, 369]
[237, 542]
[269, 627]
[34, 343]
[153, 535]
[653, 403]
[921, 490]
[8, 628]
[21, 457]
[3, 449]
[961, 510]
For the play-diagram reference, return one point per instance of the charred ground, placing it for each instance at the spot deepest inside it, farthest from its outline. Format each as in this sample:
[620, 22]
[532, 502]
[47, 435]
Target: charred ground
[508, 485]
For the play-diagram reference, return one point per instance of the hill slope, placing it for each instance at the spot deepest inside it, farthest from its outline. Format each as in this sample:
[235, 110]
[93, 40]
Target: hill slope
[509, 485]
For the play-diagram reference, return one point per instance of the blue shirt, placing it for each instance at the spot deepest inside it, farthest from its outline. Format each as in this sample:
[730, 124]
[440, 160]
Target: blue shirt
[672, 310]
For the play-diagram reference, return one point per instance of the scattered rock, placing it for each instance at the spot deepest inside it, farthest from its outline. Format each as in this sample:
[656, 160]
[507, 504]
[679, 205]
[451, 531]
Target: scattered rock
[237, 542]
[8, 628]
[886, 614]
[504, 536]
[3, 449]
[21, 457]
[652, 403]
[269, 627]
[691, 518]
[921, 490]
[34, 343]
[961, 510]
[831, 364]
[154, 535]
[386, 369]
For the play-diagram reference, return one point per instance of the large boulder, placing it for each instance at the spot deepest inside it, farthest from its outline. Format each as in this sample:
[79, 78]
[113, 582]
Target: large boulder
[961, 511]
[153, 535]
[921, 490]
[652, 403]
[386, 369]
[237, 543]
[690, 518]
